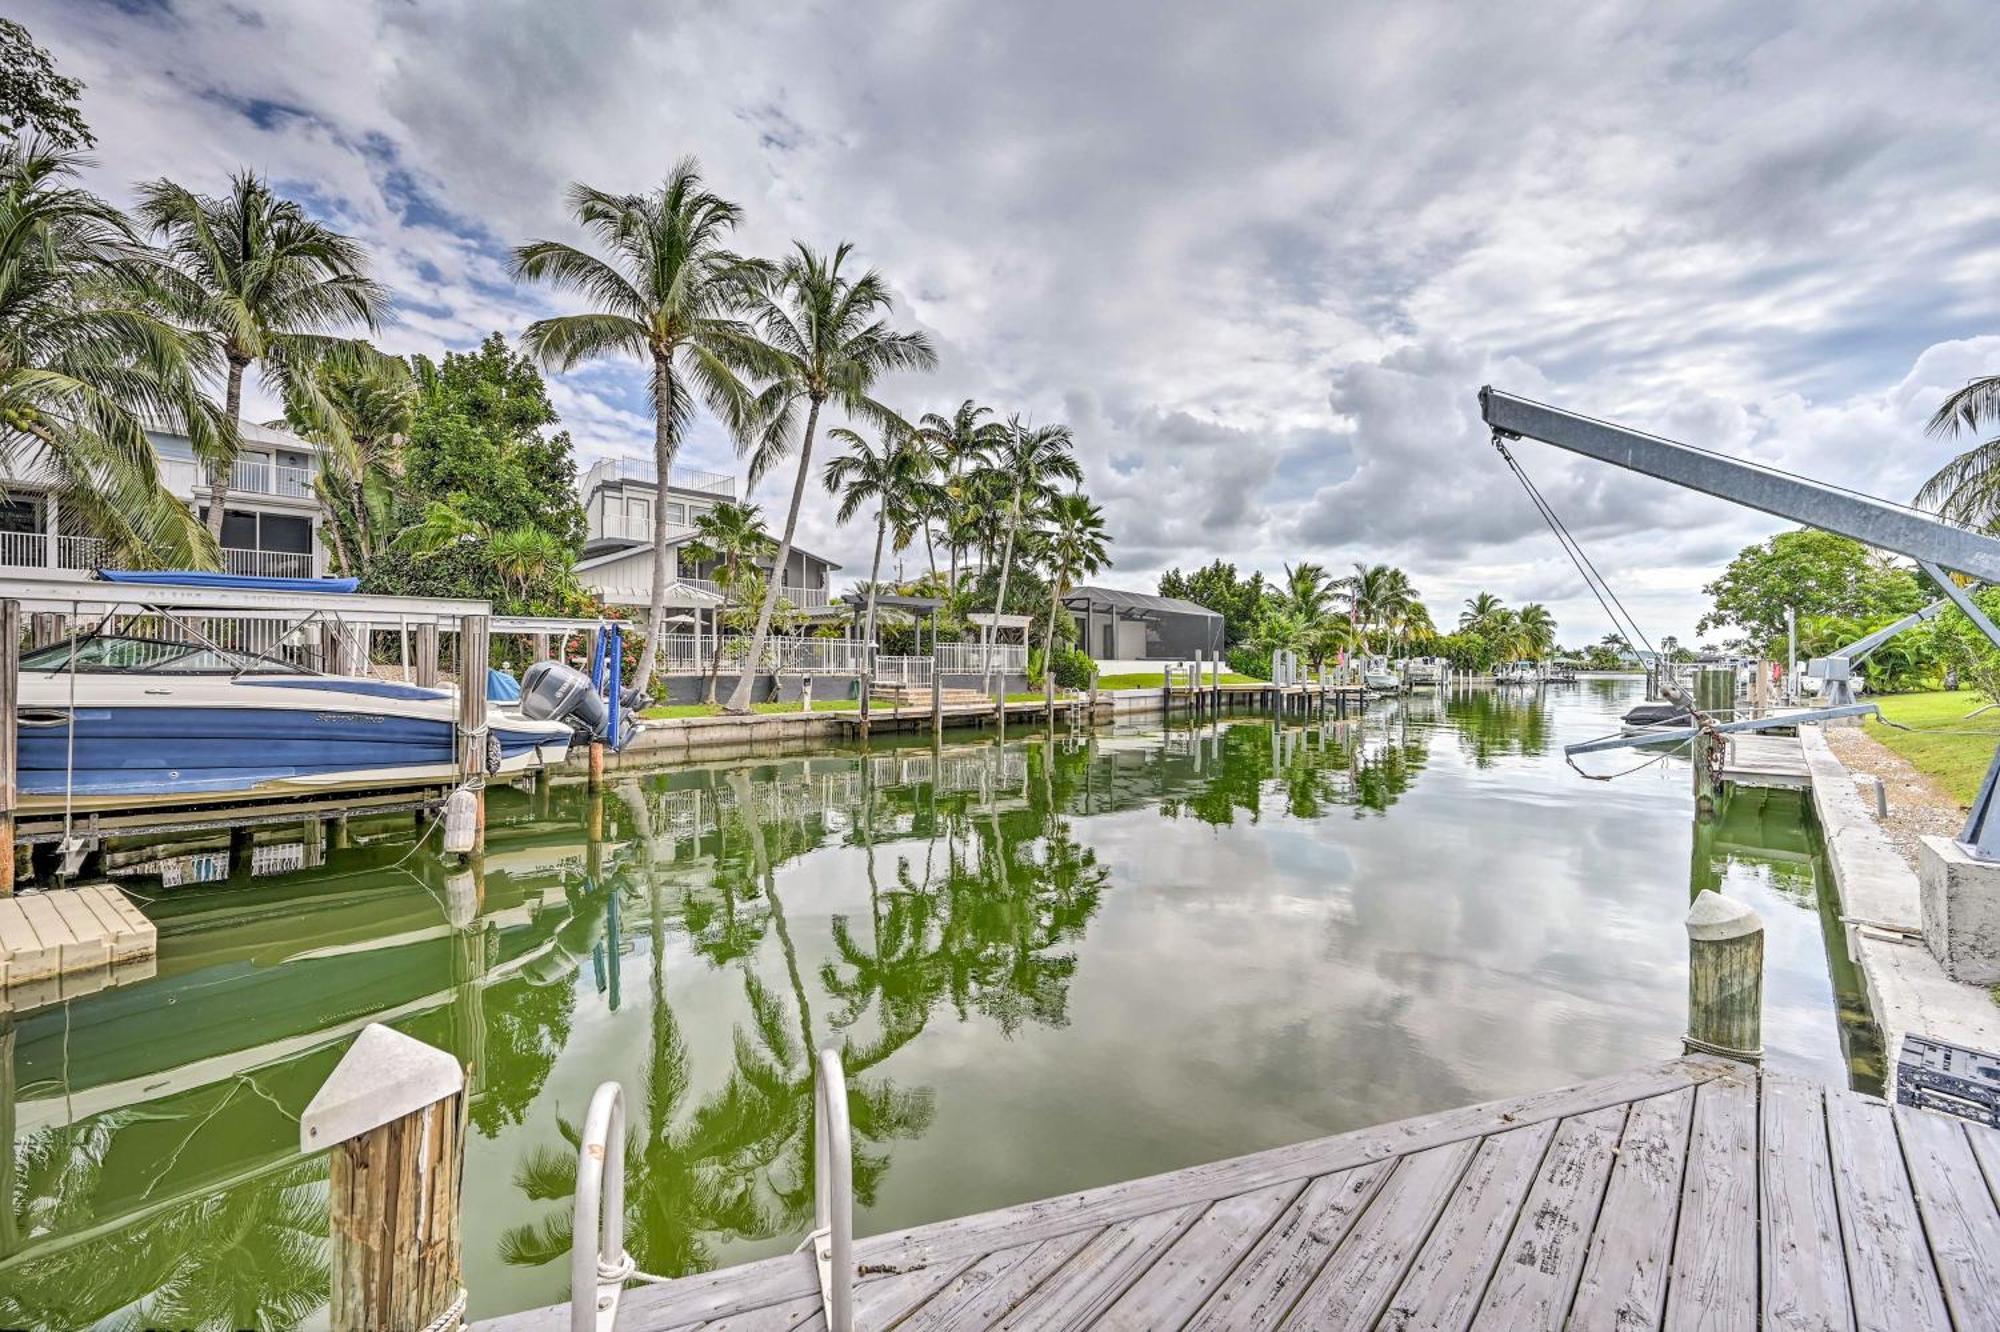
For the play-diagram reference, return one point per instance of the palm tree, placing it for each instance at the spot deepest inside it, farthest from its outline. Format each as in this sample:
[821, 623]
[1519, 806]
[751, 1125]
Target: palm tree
[1074, 549]
[86, 363]
[1478, 611]
[963, 441]
[668, 293]
[731, 536]
[1538, 629]
[262, 284]
[524, 555]
[1967, 489]
[1036, 458]
[1308, 590]
[1376, 595]
[892, 473]
[828, 343]
[374, 400]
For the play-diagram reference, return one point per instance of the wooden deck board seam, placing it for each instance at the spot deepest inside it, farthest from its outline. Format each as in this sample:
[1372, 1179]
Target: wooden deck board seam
[1674, 1230]
[1596, 1212]
[1248, 1248]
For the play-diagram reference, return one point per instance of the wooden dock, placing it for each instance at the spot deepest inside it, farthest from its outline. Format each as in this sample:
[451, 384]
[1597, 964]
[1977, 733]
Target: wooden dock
[1760, 759]
[70, 942]
[1694, 1193]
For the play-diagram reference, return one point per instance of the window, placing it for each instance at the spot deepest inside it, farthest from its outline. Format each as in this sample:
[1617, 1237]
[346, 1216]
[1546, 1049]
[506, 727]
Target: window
[677, 513]
[21, 515]
[286, 532]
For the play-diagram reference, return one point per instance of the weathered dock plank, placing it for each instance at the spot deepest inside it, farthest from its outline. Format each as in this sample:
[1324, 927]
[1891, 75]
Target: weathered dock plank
[1714, 1284]
[1354, 1287]
[1205, 1254]
[1268, 1280]
[982, 1294]
[1804, 1264]
[1959, 1216]
[1445, 1284]
[1089, 1283]
[1889, 1268]
[1544, 1257]
[1624, 1282]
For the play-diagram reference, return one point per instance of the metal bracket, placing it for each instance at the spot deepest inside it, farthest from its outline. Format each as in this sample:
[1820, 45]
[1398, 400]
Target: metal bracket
[1748, 724]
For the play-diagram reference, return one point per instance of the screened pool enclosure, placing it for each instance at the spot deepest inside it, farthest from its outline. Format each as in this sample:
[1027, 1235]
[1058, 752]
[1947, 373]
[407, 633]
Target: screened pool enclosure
[1116, 625]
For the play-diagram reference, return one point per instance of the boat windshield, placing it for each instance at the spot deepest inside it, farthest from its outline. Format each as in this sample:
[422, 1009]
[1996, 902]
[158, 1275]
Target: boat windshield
[120, 654]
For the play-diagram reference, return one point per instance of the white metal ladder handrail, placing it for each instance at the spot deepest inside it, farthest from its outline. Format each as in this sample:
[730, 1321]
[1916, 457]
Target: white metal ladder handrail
[832, 1235]
[598, 1227]
[599, 1224]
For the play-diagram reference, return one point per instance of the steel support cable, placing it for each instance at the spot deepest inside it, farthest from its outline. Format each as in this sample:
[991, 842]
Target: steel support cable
[1621, 619]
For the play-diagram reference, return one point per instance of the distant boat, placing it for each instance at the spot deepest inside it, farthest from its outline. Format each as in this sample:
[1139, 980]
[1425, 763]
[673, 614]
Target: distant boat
[1378, 675]
[1424, 670]
[1517, 673]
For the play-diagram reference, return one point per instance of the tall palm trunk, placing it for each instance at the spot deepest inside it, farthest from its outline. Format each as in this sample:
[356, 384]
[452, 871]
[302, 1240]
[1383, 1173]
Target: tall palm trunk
[232, 409]
[663, 461]
[721, 614]
[875, 571]
[739, 697]
[1049, 645]
[1006, 567]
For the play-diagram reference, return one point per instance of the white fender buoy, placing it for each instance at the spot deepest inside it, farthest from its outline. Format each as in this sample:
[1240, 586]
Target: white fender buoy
[461, 816]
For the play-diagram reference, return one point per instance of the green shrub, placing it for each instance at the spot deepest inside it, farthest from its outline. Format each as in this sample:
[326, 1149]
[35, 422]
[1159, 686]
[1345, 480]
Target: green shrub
[1251, 662]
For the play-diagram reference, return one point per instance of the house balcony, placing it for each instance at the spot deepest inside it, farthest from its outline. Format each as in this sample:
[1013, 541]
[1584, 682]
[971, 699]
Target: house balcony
[248, 476]
[74, 554]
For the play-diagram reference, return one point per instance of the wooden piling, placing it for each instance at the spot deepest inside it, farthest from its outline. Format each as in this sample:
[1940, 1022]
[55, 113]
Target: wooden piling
[937, 693]
[595, 780]
[393, 1116]
[10, 692]
[1725, 978]
[424, 669]
[473, 643]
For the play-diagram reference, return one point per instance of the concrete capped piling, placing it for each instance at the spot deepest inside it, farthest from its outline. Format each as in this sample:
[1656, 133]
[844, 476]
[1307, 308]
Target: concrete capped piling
[1725, 978]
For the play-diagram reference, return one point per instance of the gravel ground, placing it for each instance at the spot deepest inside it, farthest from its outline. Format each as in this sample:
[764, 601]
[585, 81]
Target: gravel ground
[1917, 805]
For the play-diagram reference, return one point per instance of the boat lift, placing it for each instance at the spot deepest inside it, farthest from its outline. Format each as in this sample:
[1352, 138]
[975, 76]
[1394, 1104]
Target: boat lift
[1935, 544]
[1835, 670]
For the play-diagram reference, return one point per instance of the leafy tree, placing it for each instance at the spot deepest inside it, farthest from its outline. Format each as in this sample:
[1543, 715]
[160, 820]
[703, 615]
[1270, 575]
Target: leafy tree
[1814, 573]
[488, 504]
[1239, 601]
[261, 284]
[479, 438]
[1538, 629]
[1308, 592]
[670, 295]
[1378, 596]
[36, 103]
[86, 364]
[1479, 610]
[827, 342]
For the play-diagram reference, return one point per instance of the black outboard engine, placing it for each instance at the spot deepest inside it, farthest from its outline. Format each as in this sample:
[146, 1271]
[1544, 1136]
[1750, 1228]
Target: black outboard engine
[551, 691]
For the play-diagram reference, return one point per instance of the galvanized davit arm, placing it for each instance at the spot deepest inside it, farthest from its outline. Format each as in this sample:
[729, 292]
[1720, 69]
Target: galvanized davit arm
[1933, 543]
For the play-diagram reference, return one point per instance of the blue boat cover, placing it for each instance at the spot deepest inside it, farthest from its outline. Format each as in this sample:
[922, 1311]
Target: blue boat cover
[501, 687]
[240, 582]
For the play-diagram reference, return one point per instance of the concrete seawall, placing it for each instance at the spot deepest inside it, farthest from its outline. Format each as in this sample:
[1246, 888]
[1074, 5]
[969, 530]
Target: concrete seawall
[1879, 906]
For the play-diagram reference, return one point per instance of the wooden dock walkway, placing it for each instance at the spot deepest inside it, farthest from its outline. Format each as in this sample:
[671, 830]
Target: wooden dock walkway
[1757, 759]
[1694, 1193]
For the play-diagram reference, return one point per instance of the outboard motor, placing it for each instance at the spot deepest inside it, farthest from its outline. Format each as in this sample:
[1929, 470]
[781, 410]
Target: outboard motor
[551, 691]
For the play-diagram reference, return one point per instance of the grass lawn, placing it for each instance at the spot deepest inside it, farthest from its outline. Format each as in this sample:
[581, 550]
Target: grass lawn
[1959, 758]
[1158, 679]
[672, 711]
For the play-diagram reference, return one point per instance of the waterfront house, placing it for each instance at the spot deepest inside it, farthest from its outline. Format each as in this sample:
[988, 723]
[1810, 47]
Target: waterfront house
[620, 496]
[270, 520]
[1137, 631]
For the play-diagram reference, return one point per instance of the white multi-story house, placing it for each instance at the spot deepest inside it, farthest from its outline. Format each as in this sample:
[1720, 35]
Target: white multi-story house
[619, 499]
[270, 518]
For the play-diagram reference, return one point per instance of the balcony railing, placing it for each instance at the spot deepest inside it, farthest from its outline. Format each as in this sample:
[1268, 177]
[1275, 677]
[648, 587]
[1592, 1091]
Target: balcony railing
[806, 598]
[80, 552]
[606, 470]
[970, 659]
[24, 550]
[268, 563]
[249, 476]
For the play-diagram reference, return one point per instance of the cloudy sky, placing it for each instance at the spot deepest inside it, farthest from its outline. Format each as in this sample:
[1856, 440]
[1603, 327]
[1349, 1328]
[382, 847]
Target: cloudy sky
[1259, 256]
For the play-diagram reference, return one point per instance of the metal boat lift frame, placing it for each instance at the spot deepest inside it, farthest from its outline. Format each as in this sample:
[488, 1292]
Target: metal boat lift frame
[1935, 544]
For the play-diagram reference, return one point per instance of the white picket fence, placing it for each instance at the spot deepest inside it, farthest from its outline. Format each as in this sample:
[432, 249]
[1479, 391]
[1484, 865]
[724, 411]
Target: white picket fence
[970, 658]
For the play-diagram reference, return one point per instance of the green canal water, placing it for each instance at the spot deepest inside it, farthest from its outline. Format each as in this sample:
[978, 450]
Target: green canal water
[1053, 962]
